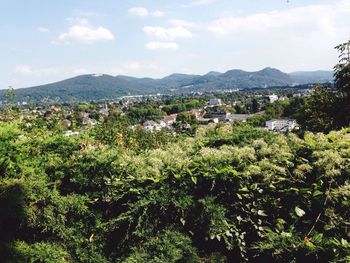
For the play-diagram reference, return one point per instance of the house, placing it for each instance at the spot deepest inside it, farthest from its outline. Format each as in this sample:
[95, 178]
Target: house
[153, 126]
[237, 117]
[273, 98]
[220, 115]
[170, 119]
[197, 113]
[104, 111]
[214, 102]
[55, 109]
[281, 125]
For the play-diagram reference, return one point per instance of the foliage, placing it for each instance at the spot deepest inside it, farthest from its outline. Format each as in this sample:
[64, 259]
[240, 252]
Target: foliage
[231, 193]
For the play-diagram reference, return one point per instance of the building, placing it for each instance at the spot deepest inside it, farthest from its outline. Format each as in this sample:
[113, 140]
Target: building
[220, 115]
[273, 98]
[214, 102]
[281, 125]
[170, 119]
[197, 113]
[237, 117]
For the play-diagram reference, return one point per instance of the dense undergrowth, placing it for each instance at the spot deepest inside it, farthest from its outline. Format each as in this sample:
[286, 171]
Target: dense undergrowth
[228, 194]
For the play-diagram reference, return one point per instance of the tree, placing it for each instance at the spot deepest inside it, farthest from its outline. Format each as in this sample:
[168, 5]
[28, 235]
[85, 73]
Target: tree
[255, 105]
[342, 83]
[10, 96]
[342, 69]
[317, 113]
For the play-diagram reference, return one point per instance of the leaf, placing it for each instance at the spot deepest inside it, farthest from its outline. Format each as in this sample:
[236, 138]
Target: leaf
[300, 212]
[344, 242]
[194, 179]
[261, 213]
[310, 245]
[183, 221]
[317, 193]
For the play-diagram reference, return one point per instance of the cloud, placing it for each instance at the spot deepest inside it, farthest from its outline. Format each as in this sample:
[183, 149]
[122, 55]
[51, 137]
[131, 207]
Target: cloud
[200, 3]
[167, 33]
[84, 33]
[43, 29]
[136, 65]
[27, 70]
[138, 11]
[23, 69]
[143, 12]
[158, 13]
[80, 71]
[299, 20]
[162, 46]
[183, 23]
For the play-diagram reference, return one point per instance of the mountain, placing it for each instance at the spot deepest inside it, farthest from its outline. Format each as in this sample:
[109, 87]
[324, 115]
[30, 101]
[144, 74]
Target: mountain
[306, 77]
[101, 86]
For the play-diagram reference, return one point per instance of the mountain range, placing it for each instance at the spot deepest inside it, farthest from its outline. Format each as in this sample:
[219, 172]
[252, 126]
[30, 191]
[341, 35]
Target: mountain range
[101, 86]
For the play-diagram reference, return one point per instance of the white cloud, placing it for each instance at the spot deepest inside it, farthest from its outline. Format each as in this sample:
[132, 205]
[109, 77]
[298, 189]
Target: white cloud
[77, 20]
[300, 20]
[162, 46]
[27, 70]
[158, 13]
[138, 11]
[136, 65]
[183, 23]
[200, 2]
[167, 33]
[80, 71]
[43, 29]
[143, 12]
[84, 33]
[23, 69]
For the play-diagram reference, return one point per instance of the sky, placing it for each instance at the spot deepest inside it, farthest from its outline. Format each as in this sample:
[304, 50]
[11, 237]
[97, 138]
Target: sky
[47, 41]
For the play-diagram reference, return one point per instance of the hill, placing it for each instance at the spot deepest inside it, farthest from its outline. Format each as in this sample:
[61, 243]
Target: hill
[99, 87]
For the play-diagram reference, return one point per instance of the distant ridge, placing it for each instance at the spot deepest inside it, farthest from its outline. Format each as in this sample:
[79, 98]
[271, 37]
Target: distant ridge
[102, 86]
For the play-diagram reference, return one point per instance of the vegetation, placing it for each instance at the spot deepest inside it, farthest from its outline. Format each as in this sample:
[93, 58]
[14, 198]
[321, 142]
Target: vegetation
[231, 193]
[225, 193]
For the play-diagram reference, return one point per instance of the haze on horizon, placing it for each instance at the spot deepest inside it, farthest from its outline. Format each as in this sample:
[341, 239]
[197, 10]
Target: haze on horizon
[47, 41]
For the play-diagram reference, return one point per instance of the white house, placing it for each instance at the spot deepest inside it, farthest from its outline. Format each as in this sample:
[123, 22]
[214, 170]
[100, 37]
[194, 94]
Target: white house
[273, 98]
[151, 126]
[214, 102]
[281, 125]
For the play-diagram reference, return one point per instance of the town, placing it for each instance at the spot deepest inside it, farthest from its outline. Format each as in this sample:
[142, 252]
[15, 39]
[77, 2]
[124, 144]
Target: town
[270, 109]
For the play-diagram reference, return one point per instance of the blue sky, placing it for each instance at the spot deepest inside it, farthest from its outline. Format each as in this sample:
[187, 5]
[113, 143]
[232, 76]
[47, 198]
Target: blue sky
[47, 41]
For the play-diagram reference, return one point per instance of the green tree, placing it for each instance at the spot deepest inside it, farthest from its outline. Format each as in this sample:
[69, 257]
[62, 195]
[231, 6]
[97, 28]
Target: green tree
[342, 83]
[318, 110]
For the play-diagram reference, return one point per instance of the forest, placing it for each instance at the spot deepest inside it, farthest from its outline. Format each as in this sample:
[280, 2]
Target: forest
[226, 193]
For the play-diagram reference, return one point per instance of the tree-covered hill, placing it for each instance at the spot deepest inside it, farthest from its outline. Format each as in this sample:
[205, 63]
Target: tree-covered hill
[99, 87]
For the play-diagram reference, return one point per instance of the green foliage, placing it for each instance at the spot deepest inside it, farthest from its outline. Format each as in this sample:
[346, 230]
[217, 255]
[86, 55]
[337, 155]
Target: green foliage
[169, 246]
[230, 193]
[40, 253]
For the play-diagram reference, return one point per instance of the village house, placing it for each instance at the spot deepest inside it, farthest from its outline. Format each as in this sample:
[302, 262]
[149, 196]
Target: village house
[152, 126]
[273, 98]
[197, 113]
[214, 102]
[237, 117]
[281, 125]
[169, 119]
